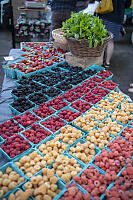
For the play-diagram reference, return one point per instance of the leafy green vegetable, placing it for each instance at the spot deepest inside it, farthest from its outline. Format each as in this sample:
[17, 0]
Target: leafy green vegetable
[85, 26]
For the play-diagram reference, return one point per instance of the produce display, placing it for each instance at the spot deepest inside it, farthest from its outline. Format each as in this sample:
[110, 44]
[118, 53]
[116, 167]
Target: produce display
[93, 181]
[74, 142]
[43, 111]
[73, 192]
[33, 61]
[10, 179]
[104, 161]
[122, 116]
[15, 145]
[86, 123]
[69, 134]
[36, 133]
[30, 27]
[118, 97]
[26, 119]
[83, 151]
[105, 74]
[71, 96]
[97, 113]
[51, 149]
[22, 104]
[57, 103]
[66, 168]
[38, 98]
[9, 128]
[44, 186]
[125, 190]
[100, 137]
[30, 164]
[97, 79]
[128, 134]
[108, 84]
[19, 194]
[127, 106]
[68, 115]
[85, 26]
[107, 105]
[120, 145]
[53, 123]
[91, 98]
[100, 92]
[113, 127]
[81, 106]
[83, 89]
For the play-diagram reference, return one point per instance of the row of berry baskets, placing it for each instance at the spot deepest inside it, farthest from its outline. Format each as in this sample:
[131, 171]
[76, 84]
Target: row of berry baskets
[102, 87]
[31, 149]
[98, 152]
[23, 183]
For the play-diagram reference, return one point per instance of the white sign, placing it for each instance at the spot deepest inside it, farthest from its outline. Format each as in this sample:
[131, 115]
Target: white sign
[8, 58]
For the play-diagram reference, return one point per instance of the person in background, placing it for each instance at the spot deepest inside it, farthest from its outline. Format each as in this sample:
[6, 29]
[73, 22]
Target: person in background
[113, 23]
[61, 10]
[81, 5]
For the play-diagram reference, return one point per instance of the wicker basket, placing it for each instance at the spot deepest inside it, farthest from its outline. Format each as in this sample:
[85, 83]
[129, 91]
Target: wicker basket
[60, 39]
[81, 48]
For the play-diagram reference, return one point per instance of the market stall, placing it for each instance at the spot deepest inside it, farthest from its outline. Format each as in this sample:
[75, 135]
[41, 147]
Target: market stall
[71, 132]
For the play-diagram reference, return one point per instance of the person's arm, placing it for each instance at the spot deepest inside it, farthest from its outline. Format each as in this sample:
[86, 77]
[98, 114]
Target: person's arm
[82, 4]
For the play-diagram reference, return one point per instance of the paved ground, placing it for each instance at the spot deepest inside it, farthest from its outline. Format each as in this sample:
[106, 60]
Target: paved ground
[121, 63]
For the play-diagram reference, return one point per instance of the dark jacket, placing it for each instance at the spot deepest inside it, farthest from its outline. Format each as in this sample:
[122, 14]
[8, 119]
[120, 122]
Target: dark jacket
[117, 15]
[63, 5]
